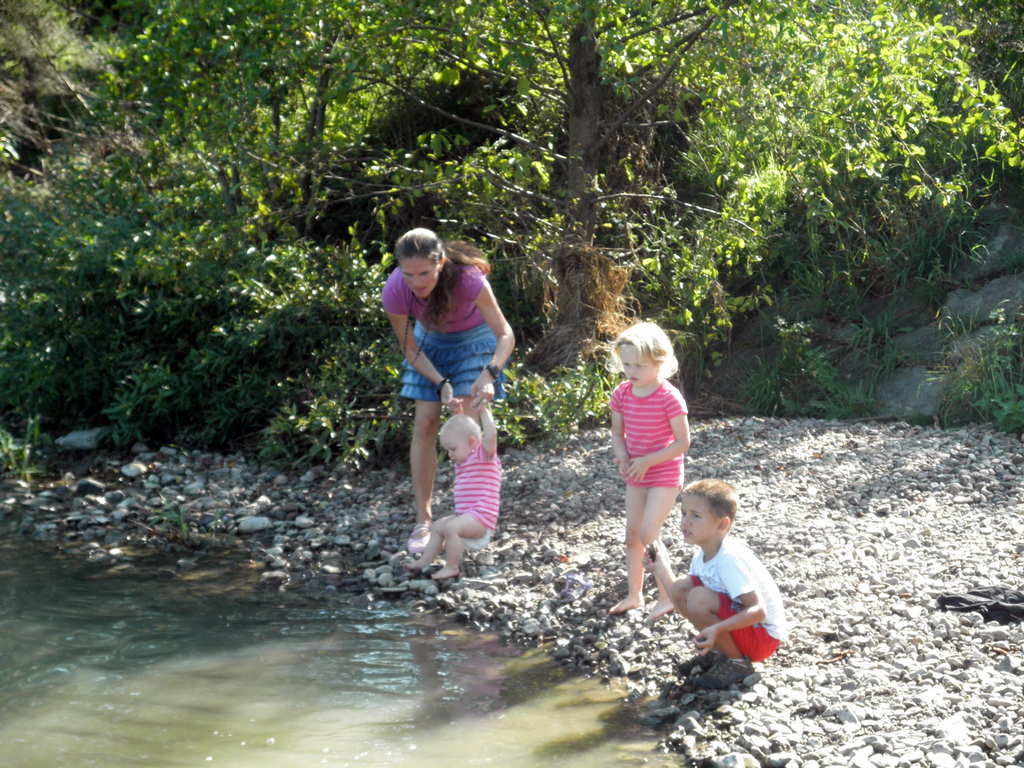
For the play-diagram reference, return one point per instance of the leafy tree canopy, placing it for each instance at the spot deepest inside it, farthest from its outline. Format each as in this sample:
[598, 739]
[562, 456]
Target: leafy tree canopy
[206, 209]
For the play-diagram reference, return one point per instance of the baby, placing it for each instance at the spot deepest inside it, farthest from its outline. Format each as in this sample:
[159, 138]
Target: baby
[473, 449]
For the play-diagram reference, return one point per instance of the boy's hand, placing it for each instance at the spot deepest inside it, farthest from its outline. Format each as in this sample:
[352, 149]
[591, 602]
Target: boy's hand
[705, 640]
[651, 557]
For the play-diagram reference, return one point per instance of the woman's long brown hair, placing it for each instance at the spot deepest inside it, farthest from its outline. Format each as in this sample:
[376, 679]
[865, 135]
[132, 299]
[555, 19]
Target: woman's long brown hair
[423, 243]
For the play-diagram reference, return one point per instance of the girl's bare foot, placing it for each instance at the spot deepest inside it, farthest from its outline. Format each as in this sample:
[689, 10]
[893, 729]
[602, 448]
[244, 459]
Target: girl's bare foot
[445, 573]
[661, 608]
[626, 604]
[414, 567]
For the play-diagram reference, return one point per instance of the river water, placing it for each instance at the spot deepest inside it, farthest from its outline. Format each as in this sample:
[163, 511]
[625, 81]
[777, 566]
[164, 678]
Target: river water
[144, 663]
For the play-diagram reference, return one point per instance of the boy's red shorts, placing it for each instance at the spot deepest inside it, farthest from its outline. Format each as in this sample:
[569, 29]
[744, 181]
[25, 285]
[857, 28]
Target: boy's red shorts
[754, 641]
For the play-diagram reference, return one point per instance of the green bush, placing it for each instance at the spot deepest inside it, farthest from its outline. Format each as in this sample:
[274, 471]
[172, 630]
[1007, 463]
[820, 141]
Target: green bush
[18, 456]
[556, 405]
[348, 411]
[988, 385]
[801, 379]
[168, 332]
[851, 162]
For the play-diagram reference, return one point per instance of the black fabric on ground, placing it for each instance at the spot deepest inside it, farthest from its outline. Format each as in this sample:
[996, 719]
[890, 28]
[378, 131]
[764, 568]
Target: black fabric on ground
[995, 603]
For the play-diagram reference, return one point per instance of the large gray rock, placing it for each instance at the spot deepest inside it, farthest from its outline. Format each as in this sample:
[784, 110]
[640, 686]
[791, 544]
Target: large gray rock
[970, 346]
[921, 346]
[1002, 251]
[82, 439]
[910, 394]
[964, 309]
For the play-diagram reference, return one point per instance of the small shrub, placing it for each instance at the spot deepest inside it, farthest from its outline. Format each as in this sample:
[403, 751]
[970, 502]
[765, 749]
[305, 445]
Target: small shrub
[800, 380]
[871, 348]
[17, 457]
[989, 383]
[350, 412]
[557, 405]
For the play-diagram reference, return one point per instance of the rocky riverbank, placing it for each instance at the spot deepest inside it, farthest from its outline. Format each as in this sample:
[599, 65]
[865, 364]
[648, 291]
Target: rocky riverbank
[863, 525]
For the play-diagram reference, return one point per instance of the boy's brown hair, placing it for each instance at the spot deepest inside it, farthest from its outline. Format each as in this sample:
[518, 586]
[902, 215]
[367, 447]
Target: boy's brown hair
[720, 496]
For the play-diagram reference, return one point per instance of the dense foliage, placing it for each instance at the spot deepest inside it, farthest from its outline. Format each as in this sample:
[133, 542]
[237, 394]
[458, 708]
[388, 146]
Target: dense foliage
[200, 198]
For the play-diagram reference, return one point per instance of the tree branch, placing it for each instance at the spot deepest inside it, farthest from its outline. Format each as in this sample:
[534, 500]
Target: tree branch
[679, 49]
[521, 140]
[664, 23]
[542, 12]
[516, 189]
[444, 32]
[662, 198]
[455, 57]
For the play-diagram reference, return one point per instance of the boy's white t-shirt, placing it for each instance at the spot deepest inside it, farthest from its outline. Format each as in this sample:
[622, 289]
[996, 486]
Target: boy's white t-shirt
[735, 570]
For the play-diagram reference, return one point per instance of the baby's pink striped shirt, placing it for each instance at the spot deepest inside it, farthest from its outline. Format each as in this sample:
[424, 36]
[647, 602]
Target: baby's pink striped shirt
[478, 487]
[647, 429]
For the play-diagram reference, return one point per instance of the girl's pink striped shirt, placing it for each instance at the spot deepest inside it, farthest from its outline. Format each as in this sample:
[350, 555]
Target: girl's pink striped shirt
[478, 487]
[647, 428]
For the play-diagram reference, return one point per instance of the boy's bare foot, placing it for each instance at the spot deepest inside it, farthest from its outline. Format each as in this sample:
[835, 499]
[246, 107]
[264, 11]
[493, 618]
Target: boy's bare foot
[414, 567]
[626, 604]
[661, 609]
[445, 573]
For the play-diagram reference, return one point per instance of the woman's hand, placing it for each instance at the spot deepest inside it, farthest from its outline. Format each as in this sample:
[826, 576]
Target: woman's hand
[447, 394]
[486, 396]
[482, 389]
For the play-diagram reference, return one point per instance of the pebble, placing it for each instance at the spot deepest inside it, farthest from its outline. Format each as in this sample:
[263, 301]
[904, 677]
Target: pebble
[134, 469]
[862, 524]
[253, 524]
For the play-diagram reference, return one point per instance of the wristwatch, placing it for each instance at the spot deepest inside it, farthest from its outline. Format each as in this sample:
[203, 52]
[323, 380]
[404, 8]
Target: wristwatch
[494, 370]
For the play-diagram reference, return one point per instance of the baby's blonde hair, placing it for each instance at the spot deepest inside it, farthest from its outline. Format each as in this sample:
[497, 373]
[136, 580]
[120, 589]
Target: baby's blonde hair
[461, 427]
[651, 343]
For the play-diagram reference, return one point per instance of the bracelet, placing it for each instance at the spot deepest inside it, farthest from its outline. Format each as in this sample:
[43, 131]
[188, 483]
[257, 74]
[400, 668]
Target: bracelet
[441, 385]
[494, 370]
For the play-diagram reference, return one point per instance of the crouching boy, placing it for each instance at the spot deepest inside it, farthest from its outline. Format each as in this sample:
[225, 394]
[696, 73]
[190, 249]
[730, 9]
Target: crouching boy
[729, 596]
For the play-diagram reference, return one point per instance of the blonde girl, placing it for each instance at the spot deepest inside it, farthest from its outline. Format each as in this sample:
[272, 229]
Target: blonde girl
[650, 436]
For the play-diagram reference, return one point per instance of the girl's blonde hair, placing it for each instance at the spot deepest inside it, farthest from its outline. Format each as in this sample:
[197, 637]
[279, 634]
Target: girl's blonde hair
[651, 343]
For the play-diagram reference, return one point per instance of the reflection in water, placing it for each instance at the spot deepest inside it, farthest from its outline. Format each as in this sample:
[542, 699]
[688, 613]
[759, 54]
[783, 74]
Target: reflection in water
[121, 666]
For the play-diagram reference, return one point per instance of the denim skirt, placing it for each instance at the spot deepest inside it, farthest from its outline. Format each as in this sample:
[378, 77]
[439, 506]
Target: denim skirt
[459, 356]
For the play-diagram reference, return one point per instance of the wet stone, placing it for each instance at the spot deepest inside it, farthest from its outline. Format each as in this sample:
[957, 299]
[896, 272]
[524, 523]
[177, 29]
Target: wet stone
[253, 524]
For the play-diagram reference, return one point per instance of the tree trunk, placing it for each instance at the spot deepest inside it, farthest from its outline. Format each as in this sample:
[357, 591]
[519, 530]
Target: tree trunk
[312, 175]
[585, 277]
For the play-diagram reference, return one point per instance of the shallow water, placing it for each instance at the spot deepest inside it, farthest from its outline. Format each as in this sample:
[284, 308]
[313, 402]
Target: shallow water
[151, 665]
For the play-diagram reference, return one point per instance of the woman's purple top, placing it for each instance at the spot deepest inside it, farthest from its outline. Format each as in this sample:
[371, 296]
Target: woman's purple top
[398, 299]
